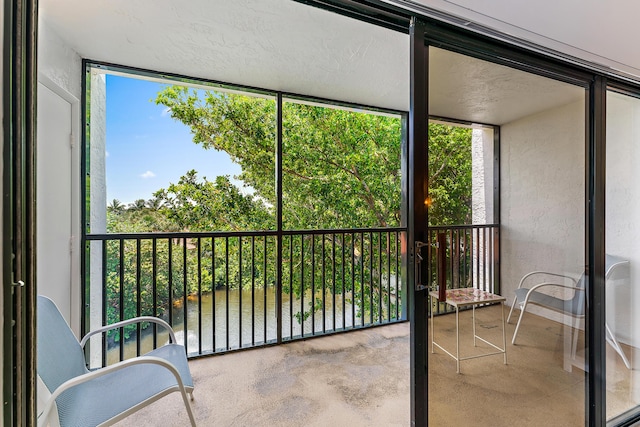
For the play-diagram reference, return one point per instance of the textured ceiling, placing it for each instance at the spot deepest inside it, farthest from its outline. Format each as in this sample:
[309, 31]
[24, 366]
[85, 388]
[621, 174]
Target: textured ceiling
[272, 44]
[598, 31]
[284, 45]
[479, 91]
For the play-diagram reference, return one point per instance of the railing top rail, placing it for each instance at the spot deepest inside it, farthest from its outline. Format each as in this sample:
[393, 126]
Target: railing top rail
[347, 230]
[176, 234]
[196, 234]
[461, 227]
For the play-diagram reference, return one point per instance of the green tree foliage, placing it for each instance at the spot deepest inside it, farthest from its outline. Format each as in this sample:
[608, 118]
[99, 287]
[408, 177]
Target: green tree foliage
[201, 205]
[450, 178]
[116, 207]
[122, 261]
[139, 217]
[340, 168]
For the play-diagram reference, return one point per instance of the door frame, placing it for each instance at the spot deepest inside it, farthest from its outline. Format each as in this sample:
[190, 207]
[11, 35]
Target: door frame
[74, 218]
[19, 61]
[461, 41]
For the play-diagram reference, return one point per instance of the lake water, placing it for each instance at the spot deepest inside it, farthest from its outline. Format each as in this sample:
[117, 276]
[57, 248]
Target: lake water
[236, 317]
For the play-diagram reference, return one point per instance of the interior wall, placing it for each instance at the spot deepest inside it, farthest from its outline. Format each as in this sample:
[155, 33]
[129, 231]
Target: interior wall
[542, 195]
[622, 210]
[54, 219]
[58, 159]
[58, 61]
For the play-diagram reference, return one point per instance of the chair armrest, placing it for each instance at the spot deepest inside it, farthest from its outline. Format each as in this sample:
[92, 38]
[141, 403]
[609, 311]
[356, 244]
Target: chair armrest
[151, 319]
[104, 371]
[555, 285]
[547, 273]
[547, 300]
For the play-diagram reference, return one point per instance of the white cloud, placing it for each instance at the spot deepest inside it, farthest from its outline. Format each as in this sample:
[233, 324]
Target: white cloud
[166, 112]
[106, 153]
[148, 174]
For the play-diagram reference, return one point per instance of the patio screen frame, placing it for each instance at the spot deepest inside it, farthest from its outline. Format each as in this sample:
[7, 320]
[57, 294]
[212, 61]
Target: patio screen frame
[279, 232]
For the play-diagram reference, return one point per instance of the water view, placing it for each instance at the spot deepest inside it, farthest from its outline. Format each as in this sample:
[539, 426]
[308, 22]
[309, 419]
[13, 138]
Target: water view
[248, 318]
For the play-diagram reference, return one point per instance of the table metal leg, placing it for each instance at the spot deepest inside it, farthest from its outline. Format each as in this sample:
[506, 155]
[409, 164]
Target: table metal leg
[473, 309]
[456, 356]
[457, 340]
[431, 309]
[504, 333]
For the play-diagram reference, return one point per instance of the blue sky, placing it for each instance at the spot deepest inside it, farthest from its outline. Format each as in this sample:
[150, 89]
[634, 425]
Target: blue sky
[147, 149]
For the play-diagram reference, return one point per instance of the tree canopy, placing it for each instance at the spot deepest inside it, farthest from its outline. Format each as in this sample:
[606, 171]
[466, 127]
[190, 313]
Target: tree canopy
[340, 168]
[450, 175]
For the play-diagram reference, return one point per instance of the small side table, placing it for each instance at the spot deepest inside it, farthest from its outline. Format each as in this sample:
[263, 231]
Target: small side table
[464, 297]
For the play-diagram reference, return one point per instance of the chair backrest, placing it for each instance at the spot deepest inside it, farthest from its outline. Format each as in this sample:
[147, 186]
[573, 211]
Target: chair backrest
[616, 268]
[576, 304]
[60, 356]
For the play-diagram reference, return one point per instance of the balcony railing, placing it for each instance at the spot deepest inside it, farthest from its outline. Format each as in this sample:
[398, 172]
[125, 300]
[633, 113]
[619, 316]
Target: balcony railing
[472, 258]
[227, 291]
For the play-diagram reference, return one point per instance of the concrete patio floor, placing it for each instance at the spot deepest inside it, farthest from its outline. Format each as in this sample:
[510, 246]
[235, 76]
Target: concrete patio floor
[361, 378]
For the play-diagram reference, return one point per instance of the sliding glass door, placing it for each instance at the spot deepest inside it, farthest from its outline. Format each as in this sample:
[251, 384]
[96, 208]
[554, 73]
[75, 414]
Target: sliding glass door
[539, 227]
[622, 281]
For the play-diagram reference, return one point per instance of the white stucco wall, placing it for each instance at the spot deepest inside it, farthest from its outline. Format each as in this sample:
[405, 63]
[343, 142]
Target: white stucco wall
[59, 71]
[60, 65]
[481, 198]
[622, 210]
[542, 195]
[98, 201]
[58, 61]
[482, 176]
[97, 153]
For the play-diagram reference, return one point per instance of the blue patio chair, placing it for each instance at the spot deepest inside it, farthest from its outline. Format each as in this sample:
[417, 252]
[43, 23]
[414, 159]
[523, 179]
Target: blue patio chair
[528, 293]
[81, 397]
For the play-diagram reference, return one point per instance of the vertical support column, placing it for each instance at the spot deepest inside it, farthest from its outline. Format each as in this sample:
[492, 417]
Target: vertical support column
[485, 146]
[595, 251]
[417, 217]
[94, 176]
[441, 256]
[481, 171]
[496, 210]
[404, 203]
[279, 218]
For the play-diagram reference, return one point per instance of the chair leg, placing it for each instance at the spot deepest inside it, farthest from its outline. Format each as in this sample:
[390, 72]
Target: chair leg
[185, 399]
[571, 344]
[515, 301]
[611, 339]
[574, 343]
[515, 333]
[191, 396]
